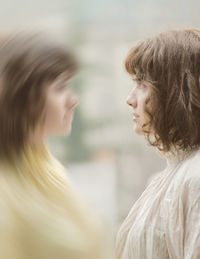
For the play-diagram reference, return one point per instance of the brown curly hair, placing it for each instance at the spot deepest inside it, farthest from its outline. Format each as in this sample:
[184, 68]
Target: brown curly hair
[170, 62]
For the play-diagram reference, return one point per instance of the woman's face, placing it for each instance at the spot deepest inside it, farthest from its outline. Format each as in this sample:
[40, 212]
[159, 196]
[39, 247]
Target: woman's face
[138, 99]
[59, 106]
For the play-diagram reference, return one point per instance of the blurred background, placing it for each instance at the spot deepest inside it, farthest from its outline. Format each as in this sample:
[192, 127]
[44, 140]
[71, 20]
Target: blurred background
[109, 164]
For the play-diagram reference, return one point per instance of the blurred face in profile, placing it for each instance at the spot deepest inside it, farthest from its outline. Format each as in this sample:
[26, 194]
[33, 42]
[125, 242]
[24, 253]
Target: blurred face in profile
[59, 107]
[138, 99]
[58, 111]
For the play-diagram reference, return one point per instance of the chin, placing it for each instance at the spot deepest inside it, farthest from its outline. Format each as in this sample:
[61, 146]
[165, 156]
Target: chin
[67, 131]
[139, 131]
[62, 132]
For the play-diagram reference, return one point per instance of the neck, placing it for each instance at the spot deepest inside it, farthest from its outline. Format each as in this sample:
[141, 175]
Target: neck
[36, 138]
[175, 155]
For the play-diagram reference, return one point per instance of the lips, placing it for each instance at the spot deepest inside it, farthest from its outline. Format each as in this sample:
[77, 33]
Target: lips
[135, 116]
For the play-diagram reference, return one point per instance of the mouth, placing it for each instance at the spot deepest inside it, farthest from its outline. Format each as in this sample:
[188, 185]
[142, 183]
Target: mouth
[135, 116]
[67, 114]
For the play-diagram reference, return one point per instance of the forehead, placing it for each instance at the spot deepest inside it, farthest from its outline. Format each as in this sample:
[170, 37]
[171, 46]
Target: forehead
[62, 78]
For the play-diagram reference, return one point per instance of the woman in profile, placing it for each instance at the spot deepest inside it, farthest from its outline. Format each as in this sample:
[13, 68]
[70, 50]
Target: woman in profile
[41, 216]
[165, 221]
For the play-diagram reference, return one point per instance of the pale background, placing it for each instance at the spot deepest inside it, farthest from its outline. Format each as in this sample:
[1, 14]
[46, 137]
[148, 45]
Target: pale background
[109, 164]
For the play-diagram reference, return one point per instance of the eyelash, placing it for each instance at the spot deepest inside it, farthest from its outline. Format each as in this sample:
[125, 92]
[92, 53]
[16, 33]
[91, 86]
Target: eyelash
[61, 87]
[138, 83]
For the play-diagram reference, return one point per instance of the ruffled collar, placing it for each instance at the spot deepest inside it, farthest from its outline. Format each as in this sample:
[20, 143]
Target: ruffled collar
[175, 156]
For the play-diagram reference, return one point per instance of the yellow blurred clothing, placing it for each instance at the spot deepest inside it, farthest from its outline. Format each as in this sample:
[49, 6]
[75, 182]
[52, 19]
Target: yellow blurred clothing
[41, 216]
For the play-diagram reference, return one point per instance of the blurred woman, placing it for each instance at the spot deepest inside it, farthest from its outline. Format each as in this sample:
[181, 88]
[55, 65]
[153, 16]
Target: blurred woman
[165, 221]
[41, 216]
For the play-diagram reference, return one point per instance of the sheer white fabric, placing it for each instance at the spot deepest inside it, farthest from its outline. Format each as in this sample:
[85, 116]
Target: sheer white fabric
[165, 221]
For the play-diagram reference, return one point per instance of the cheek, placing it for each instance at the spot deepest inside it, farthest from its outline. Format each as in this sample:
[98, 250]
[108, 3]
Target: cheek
[141, 104]
[145, 104]
[54, 112]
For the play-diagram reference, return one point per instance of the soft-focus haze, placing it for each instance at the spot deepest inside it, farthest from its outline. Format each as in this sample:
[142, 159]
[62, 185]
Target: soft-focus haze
[108, 162]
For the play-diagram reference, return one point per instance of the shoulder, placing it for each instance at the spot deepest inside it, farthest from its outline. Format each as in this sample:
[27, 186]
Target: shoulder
[190, 168]
[189, 173]
[186, 176]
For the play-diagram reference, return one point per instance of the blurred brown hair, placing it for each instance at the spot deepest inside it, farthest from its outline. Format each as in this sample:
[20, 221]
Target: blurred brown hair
[28, 62]
[170, 62]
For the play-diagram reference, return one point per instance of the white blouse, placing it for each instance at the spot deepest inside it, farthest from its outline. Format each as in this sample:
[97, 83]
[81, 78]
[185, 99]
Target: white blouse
[165, 221]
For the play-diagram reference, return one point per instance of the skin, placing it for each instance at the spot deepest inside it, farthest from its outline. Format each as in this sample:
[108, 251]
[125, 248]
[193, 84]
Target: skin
[138, 101]
[59, 107]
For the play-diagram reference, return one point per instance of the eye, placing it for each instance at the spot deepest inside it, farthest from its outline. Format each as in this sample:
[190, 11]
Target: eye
[61, 87]
[141, 85]
[138, 83]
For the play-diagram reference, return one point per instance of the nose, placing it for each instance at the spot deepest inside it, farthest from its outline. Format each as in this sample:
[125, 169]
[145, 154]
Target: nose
[72, 101]
[131, 99]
